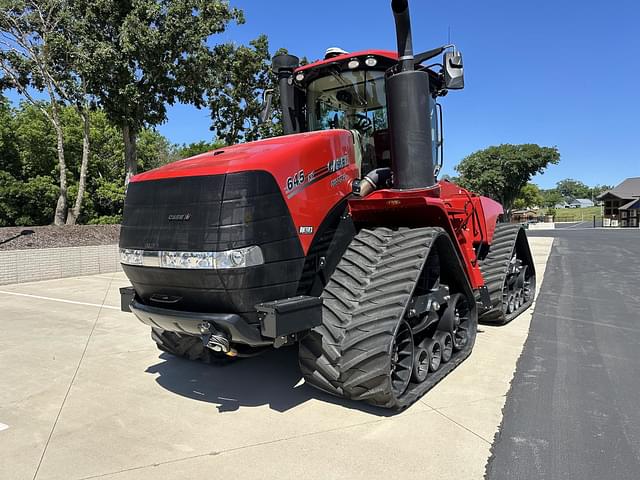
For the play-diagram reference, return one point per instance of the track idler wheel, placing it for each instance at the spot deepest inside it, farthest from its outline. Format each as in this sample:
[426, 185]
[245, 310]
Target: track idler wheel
[402, 355]
[455, 321]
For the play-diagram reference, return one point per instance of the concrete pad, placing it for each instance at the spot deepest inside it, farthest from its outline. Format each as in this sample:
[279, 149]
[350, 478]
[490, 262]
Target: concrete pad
[132, 412]
[88, 289]
[173, 408]
[119, 332]
[418, 446]
[40, 346]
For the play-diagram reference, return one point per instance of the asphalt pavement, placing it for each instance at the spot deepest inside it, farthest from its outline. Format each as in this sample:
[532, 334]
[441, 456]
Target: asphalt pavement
[573, 411]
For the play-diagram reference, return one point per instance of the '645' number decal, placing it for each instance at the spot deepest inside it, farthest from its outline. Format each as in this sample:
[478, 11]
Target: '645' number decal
[295, 181]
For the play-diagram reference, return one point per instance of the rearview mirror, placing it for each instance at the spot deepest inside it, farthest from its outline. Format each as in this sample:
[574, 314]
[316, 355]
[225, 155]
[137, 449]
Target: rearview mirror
[453, 70]
[267, 98]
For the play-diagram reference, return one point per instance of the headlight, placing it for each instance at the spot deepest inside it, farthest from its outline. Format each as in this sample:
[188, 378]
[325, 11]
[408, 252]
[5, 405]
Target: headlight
[186, 259]
[240, 258]
[371, 62]
[130, 256]
[237, 258]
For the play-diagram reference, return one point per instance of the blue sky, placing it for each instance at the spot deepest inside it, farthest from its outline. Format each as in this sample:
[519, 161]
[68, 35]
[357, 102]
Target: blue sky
[563, 73]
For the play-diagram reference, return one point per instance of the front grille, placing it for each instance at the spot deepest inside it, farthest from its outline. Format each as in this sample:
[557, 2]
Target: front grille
[213, 213]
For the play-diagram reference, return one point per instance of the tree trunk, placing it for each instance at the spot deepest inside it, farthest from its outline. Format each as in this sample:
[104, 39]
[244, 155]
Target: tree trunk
[130, 152]
[61, 206]
[74, 213]
[506, 206]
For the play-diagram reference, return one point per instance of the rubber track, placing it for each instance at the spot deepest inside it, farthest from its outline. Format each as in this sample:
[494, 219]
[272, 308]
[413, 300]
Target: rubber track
[494, 269]
[187, 346]
[349, 355]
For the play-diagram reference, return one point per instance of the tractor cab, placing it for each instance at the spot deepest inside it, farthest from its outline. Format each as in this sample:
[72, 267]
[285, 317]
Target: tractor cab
[349, 91]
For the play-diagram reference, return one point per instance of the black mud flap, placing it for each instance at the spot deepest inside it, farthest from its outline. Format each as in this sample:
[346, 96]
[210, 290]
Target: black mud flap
[281, 318]
[127, 295]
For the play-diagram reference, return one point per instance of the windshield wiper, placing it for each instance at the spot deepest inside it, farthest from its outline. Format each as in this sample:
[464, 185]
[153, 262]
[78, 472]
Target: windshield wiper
[339, 78]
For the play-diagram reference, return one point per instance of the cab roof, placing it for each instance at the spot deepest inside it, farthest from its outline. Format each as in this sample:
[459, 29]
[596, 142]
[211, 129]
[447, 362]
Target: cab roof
[387, 54]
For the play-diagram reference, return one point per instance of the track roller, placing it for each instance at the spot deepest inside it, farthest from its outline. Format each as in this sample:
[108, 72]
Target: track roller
[421, 362]
[447, 345]
[434, 348]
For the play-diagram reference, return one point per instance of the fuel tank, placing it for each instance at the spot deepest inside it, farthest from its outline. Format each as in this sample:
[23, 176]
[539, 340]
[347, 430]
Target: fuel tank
[283, 195]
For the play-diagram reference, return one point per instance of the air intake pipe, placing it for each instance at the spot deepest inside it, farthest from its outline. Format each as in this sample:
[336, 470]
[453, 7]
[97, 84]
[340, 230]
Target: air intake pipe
[409, 105]
[284, 65]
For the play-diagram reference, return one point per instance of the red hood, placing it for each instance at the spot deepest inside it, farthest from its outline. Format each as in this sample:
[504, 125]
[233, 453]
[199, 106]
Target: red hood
[312, 170]
[261, 155]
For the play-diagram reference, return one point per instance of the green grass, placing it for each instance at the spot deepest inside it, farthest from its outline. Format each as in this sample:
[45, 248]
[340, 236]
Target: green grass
[577, 214]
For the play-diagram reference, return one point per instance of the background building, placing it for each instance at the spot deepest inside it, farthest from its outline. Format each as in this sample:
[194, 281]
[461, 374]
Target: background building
[622, 204]
[580, 203]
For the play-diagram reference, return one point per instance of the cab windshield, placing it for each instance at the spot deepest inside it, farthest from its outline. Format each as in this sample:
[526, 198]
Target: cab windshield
[352, 100]
[347, 100]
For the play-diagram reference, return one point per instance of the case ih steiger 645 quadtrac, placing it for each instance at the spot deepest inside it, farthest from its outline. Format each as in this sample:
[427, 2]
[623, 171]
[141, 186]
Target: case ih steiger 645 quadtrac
[336, 236]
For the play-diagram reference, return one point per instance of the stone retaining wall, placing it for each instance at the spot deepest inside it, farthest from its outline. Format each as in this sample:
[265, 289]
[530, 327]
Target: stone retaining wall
[19, 266]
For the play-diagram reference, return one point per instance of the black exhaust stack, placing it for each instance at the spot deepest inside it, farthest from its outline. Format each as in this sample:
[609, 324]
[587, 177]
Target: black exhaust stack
[409, 110]
[284, 65]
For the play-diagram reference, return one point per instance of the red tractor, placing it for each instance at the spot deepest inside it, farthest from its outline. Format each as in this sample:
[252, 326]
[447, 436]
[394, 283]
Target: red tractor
[337, 236]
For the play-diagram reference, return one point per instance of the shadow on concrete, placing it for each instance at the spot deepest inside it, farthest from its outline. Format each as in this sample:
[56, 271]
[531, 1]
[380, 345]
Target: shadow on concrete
[272, 379]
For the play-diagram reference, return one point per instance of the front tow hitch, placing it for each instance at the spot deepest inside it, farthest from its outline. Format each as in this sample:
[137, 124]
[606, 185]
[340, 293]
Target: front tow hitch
[215, 340]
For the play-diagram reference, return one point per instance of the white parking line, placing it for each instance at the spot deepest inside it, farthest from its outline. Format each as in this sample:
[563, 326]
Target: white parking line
[3, 426]
[58, 300]
[579, 224]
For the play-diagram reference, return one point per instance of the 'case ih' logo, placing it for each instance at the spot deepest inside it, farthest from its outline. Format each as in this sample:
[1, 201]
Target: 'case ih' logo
[183, 217]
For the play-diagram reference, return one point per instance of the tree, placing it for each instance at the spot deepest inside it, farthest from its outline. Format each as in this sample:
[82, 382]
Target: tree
[551, 197]
[449, 178]
[196, 148]
[572, 189]
[154, 150]
[147, 54]
[599, 189]
[28, 28]
[35, 142]
[235, 96]
[530, 196]
[501, 171]
[26, 203]
[9, 158]
[28, 164]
